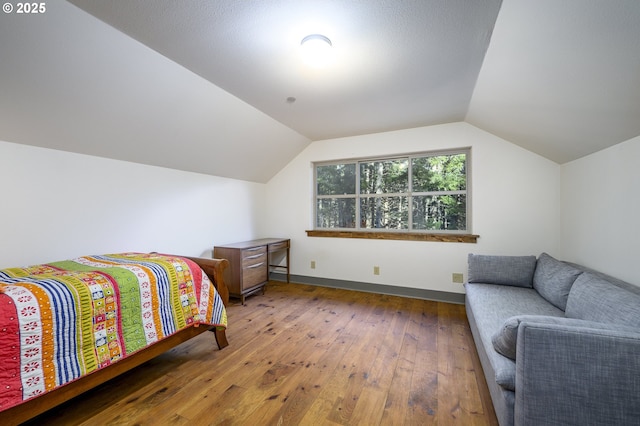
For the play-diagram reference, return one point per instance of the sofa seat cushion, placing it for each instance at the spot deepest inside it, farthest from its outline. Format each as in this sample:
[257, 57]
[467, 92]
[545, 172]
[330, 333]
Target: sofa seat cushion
[507, 270]
[505, 340]
[553, 279]
[593, 298]
[491, 305]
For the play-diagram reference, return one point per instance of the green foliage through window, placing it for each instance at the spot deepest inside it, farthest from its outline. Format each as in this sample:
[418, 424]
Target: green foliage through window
[421, 192]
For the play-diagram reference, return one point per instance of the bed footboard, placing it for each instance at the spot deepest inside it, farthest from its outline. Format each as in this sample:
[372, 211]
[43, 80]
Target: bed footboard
[215, 270]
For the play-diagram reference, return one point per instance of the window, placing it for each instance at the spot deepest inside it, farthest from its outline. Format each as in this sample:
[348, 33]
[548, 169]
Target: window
[425, 192]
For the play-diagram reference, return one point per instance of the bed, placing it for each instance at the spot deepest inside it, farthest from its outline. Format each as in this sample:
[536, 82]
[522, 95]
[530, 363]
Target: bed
[68, 326]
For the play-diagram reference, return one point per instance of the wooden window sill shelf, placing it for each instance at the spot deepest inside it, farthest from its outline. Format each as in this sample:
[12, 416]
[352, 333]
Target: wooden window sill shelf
[409, 236]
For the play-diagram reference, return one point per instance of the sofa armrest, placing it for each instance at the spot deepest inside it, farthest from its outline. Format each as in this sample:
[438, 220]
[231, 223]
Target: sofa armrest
[568, 375]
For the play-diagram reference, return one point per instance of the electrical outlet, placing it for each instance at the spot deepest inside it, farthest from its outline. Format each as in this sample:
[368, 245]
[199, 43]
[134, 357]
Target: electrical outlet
[313, 264]
[457, 277]
[376, 270]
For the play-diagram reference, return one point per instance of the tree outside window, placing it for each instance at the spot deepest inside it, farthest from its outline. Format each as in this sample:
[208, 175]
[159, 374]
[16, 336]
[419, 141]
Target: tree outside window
[426, 192]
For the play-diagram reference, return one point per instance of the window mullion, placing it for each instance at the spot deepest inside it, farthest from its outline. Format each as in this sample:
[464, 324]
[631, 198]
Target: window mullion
[357, 194]
[462, 192]
[410, 193]
[322, 197]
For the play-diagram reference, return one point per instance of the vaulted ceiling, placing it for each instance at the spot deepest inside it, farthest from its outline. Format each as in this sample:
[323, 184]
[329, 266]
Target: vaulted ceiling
[208, 86]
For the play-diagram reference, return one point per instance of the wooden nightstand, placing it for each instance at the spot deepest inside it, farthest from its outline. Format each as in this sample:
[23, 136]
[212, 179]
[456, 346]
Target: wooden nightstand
[250, 263]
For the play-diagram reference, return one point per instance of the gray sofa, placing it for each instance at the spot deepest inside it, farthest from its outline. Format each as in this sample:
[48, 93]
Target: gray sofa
[559, 343]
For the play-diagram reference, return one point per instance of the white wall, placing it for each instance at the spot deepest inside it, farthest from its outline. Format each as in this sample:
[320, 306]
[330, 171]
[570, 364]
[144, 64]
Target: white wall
[601, 211]
[55, 205]
[515, 209]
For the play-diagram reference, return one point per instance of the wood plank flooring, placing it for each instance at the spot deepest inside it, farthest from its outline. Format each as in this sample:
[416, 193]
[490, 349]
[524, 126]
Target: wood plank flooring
[305, 355]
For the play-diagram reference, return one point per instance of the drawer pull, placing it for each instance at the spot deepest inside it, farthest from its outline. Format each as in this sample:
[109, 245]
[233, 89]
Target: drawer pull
[255, 266]
[254, 256]
[254, 249]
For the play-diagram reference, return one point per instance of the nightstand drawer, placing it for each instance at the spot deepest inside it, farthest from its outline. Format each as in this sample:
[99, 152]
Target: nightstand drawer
[248, 252]
[254, 274]
[279, 246]
[253, 257]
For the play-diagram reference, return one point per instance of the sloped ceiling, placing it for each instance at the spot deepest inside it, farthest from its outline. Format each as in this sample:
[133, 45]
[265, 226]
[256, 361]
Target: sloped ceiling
[561, 78]
[399, 64]
[203, 85]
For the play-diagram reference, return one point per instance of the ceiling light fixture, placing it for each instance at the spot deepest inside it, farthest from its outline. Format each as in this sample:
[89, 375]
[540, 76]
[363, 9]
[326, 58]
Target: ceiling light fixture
[316, 50]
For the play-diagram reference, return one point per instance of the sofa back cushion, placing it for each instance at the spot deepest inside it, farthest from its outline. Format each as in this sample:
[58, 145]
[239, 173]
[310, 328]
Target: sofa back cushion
[593, 298]
[508, 270]
[553, 280]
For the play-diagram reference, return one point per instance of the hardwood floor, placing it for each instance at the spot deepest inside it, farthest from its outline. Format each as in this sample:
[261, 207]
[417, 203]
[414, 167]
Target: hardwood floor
[305, 355]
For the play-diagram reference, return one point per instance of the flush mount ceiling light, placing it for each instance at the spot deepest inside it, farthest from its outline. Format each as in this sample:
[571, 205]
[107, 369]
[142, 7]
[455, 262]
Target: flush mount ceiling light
[316, 50]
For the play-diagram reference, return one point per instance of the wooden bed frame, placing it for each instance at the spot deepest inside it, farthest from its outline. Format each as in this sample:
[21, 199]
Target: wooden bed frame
[214, 269]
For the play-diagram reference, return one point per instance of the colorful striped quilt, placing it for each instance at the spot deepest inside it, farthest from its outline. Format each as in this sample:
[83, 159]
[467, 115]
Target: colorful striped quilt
[63, 320]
